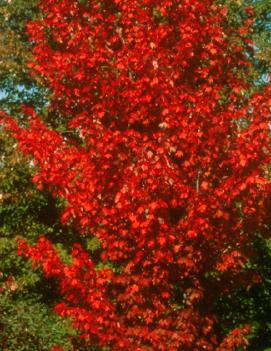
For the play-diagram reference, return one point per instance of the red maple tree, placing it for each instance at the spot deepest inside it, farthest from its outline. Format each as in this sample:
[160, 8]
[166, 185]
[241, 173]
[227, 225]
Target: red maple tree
[167, 166]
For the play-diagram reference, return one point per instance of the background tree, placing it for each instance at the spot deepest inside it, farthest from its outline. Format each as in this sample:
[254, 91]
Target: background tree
[26, 322]
[262, 29]
[17, 84]
[253, 305]
[260, 55]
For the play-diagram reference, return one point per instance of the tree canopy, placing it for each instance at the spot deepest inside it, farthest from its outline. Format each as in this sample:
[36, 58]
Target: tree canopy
[156, 148]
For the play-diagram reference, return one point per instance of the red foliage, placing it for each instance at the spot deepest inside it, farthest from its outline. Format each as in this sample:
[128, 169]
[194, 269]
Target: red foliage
[168, 168]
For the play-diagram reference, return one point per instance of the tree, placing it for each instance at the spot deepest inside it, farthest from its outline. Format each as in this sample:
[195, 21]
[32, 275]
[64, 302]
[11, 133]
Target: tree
[164, 162]
[27, 322]
[260, 56]
[252, 305]
[16, 84]
[262, 36]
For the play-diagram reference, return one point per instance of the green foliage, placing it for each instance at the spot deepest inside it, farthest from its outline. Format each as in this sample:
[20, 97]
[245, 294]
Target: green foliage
[27, 325]
[26, 318]
[262, 35]
[17, 86]
[252, 305]
[260, 51]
